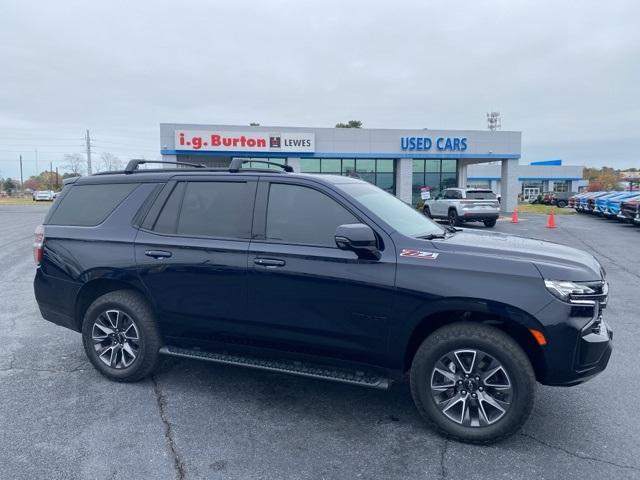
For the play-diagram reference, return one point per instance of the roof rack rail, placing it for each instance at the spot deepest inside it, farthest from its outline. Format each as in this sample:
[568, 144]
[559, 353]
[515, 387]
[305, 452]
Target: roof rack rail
[236, 164]
[132, 166]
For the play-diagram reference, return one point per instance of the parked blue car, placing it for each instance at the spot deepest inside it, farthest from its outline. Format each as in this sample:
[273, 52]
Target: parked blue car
[588, 203]
[601, 202]
[612, 206]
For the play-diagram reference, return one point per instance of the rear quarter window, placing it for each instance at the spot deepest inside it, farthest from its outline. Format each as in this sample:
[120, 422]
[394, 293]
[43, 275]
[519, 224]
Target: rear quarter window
[89, 205]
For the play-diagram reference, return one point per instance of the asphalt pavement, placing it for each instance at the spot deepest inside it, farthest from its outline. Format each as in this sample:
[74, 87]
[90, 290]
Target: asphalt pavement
[59, 418]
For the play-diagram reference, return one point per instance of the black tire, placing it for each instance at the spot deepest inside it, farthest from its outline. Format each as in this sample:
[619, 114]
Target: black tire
[501, 347]
[561, 203]
[490, 223]
[427, 212]
[137, 310]
[453, 218]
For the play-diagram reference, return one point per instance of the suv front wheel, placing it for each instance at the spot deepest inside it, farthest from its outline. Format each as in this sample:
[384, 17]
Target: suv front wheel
[473, 383]
[120, 336]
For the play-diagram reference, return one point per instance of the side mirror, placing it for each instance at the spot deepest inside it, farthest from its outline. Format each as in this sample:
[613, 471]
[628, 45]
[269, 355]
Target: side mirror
[358, 238]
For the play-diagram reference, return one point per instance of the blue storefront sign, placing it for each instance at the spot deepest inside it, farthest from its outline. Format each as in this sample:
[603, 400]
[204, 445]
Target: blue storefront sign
[441, 144]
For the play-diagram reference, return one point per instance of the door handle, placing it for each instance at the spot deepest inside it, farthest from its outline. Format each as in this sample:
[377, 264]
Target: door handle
[157, 254]
[269, 262]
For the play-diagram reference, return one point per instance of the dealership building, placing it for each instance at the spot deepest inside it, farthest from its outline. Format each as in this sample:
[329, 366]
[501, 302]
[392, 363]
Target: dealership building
[406, 163]
[533, 178]
[403, 162]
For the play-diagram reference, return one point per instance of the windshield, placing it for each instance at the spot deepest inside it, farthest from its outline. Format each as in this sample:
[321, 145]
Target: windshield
[481, 195]
[400, 216]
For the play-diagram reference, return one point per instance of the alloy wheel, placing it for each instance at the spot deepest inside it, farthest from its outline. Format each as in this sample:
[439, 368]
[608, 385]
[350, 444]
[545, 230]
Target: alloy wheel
[116, 339]
[471, 388]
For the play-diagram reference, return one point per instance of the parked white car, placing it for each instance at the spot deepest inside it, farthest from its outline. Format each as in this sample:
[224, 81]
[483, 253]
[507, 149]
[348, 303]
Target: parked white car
[44, 195]
[459, 205]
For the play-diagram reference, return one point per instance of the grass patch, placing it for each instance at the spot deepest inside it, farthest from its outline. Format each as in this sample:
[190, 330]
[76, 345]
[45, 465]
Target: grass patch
[21, 201]
[544, 209]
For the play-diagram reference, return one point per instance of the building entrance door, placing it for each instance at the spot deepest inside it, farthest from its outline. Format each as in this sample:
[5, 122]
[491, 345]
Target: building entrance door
[530, 192]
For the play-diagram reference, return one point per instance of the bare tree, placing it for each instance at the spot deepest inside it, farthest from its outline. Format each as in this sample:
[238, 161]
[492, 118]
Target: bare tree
[109, 162]
[75, 164]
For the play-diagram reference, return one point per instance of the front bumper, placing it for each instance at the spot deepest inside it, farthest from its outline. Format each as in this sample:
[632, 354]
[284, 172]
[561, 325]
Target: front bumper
[579, 342]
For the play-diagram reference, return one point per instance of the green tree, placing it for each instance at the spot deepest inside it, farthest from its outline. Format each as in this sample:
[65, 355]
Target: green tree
[9, 185]
[350, 124]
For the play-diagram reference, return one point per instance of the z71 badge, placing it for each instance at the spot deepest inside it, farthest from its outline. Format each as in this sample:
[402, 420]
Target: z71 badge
[408, 252]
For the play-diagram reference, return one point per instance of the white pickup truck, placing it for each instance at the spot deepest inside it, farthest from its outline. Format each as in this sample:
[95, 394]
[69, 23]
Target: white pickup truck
[460, 205]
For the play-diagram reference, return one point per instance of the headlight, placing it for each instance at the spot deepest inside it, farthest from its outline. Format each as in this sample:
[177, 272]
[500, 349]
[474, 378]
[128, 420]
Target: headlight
[564, 289]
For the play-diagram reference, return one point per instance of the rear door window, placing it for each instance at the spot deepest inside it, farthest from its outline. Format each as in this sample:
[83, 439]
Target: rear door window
[208, 209]
[89, 205]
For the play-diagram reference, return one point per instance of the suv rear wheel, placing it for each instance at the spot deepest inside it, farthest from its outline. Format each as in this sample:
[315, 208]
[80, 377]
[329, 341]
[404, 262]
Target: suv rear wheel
[427, 212]
[120, 336]
[473, 383]
[454, 220]
[490, 223]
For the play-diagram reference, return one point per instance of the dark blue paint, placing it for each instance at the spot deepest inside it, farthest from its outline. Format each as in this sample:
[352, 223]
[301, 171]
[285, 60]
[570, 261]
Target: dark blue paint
[317, 301]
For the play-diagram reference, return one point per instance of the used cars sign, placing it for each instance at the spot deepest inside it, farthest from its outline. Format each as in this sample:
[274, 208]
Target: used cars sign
[232, 141]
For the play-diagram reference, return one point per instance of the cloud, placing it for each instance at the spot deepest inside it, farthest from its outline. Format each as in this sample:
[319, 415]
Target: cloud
[564, 73]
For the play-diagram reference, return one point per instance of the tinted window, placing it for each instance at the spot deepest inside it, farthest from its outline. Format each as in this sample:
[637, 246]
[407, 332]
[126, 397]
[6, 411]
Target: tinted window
[167, 221]
[304, 216]
[481, 195]
[214, 209]
[89, 205]
[450, 194]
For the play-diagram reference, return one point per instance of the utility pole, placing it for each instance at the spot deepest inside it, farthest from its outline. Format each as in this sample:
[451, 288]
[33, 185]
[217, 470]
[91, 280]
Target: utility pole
[50, 175]
[57, 179]
[21, 179]
[88, 153]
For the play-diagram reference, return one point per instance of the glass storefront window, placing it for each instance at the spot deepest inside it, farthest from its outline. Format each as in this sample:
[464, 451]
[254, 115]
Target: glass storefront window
[449, 165]
[448, 180]
[436, 174]
[330, 165]
[348, 166]
[365, 165]
[560, 186]
[379, 171]
[385, 165]
[386, 181]
[431, 166]
[310, 165]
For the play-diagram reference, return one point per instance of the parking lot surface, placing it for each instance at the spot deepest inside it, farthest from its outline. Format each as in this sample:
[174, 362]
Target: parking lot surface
[59, 418]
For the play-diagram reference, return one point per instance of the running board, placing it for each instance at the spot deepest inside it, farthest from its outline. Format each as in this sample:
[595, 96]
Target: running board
[283, 366]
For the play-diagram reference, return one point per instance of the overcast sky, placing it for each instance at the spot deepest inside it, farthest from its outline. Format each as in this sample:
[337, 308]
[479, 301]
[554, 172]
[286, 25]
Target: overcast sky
[567, 74]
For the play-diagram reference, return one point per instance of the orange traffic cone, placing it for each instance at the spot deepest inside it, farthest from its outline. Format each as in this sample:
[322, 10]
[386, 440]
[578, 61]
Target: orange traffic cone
[551, 221]
[514, 215]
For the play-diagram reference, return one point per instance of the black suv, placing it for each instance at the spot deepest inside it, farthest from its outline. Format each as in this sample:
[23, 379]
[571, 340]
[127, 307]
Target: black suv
[324, 276]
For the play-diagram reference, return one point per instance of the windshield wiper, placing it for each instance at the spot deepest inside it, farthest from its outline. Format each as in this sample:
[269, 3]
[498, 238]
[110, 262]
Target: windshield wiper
[451, 229]
[432, 236]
